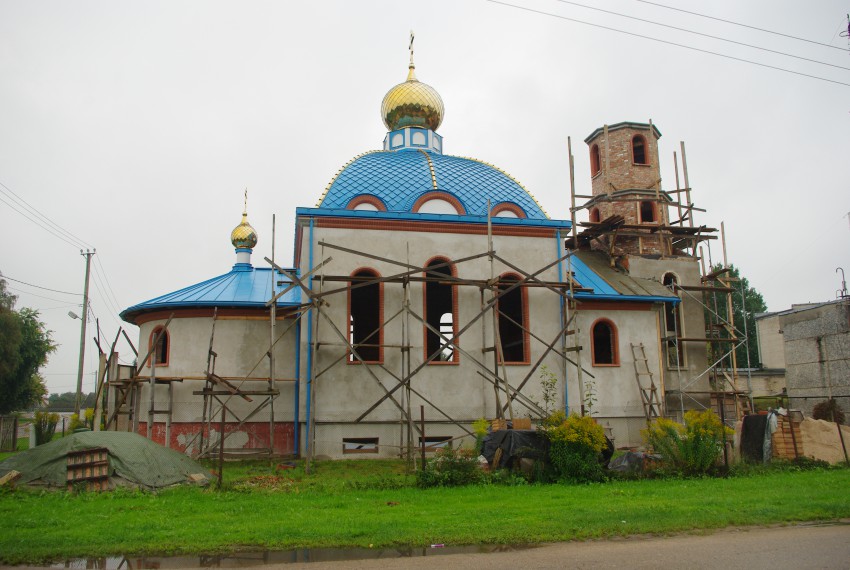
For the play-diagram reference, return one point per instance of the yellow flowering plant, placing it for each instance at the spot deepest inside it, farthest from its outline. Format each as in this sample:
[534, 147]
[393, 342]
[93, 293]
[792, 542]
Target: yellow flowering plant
[692, 448]
[575, 443]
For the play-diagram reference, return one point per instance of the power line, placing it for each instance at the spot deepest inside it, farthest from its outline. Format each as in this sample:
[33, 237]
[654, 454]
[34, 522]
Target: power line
[702, 34]
[36, 295]
[43, 217]
[740, 24]
[48, 230]
[668, 42]
[105, 276]
[101, 289]
[37, 286]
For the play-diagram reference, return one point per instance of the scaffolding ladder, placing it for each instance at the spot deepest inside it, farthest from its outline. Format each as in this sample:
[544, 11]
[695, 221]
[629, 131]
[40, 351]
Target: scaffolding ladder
[646, 384]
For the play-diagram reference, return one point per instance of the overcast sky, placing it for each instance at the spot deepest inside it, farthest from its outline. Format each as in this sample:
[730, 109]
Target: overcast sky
[135, 126]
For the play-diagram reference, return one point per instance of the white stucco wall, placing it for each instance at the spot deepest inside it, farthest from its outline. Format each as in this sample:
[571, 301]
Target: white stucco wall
[344, 391]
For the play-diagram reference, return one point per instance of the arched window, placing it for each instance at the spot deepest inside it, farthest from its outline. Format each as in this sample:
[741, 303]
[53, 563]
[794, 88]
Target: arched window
[639, 150]
[594, 215]
[162, 352]
[513, 320]
[440, 311]
[365, 316]
[366, 202]
[604, 348]
[507, 210]
[438, 202]
[594, 160]
[647, 212]
[673, 324]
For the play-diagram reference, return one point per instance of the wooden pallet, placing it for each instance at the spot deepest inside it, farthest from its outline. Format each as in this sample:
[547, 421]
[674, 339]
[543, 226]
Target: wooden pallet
[88, 469]
[783, 440]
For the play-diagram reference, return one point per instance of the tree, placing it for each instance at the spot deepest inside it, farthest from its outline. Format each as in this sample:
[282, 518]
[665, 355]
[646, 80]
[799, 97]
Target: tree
[752, 301]
[64, 402]
[24, 346]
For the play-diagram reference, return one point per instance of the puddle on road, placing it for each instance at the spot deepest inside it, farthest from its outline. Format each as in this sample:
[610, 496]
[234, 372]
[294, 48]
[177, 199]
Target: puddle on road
[247, 559]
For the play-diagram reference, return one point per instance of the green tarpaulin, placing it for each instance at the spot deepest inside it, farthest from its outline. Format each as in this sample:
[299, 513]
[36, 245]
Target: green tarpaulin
[133, 460]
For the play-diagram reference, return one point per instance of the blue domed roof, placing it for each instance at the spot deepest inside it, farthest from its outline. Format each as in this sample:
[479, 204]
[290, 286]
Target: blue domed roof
[399, 178]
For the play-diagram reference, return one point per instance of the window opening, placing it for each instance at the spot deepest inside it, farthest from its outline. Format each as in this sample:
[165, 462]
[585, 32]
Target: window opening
[359, 445]
[365, 318]
[639, 149]
[604, 338]
[673, 324]
[594, 160]
[439, 312]
[512, 310]
[647, 212]
[433, 443]
[594, 215]
[160, 356]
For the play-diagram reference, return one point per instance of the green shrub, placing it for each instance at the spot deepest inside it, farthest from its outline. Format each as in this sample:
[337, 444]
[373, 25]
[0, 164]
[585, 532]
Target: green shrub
[44, 425]
[451, 468]
[574, 446]
[690, 449]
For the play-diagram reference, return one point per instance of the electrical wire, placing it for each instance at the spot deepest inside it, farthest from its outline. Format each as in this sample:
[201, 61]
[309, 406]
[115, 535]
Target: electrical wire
[560, 17]
[18, 204]
[39, 296]
[702, 34]
[48, 230]
[32, 209]
[101, 289]
[739, 24]
[108, 284]
[37, 286]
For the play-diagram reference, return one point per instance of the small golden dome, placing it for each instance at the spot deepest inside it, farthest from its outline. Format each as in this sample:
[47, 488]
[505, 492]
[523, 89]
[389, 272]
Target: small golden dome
[244, 235]
[412, 104]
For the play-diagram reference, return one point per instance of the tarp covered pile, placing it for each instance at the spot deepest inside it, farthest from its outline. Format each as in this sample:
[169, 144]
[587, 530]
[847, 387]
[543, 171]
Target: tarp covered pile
[133, 461]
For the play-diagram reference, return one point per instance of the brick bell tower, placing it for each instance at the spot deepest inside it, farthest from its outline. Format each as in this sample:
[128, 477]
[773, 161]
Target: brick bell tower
[627, 195]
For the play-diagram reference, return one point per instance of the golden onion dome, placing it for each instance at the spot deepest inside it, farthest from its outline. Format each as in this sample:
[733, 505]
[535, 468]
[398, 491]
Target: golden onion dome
[412, 104]
[244, 235]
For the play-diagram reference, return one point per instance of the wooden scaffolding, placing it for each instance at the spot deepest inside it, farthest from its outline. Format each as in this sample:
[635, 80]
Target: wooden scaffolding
[714, 294]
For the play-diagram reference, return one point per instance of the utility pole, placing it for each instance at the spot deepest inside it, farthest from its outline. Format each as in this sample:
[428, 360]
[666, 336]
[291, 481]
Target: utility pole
[79, 398]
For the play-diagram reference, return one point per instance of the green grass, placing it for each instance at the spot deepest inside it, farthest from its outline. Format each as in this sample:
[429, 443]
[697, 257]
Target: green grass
[363, 503]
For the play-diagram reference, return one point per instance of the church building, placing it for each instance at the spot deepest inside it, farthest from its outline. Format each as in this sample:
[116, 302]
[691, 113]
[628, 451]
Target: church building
[427, 291]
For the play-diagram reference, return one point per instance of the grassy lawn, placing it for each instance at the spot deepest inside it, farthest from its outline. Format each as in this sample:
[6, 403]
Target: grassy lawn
[363, 503]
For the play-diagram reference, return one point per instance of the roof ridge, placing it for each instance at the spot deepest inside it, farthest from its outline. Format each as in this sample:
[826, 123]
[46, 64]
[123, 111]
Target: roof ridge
[431, 168]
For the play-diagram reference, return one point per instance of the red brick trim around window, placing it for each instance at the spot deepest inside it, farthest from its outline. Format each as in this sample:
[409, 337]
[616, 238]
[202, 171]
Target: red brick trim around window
[151, 339]
[380, 337]
[615, 343]
[507, 207]
[526, 342]
[445, 196]
[366, 199]
[455, 353]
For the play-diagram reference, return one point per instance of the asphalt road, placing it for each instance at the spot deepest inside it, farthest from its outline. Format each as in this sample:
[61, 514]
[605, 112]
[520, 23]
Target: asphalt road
[798, 547]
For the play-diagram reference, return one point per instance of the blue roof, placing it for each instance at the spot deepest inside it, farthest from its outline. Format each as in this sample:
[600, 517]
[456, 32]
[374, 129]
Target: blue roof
[244, 286]
[399, 178]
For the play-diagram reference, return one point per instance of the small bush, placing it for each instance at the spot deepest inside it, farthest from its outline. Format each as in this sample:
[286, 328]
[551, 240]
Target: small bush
[44, 425]
[451, 468]
[479, 427]
[574, 446]
[828, 410]
[690, 449]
